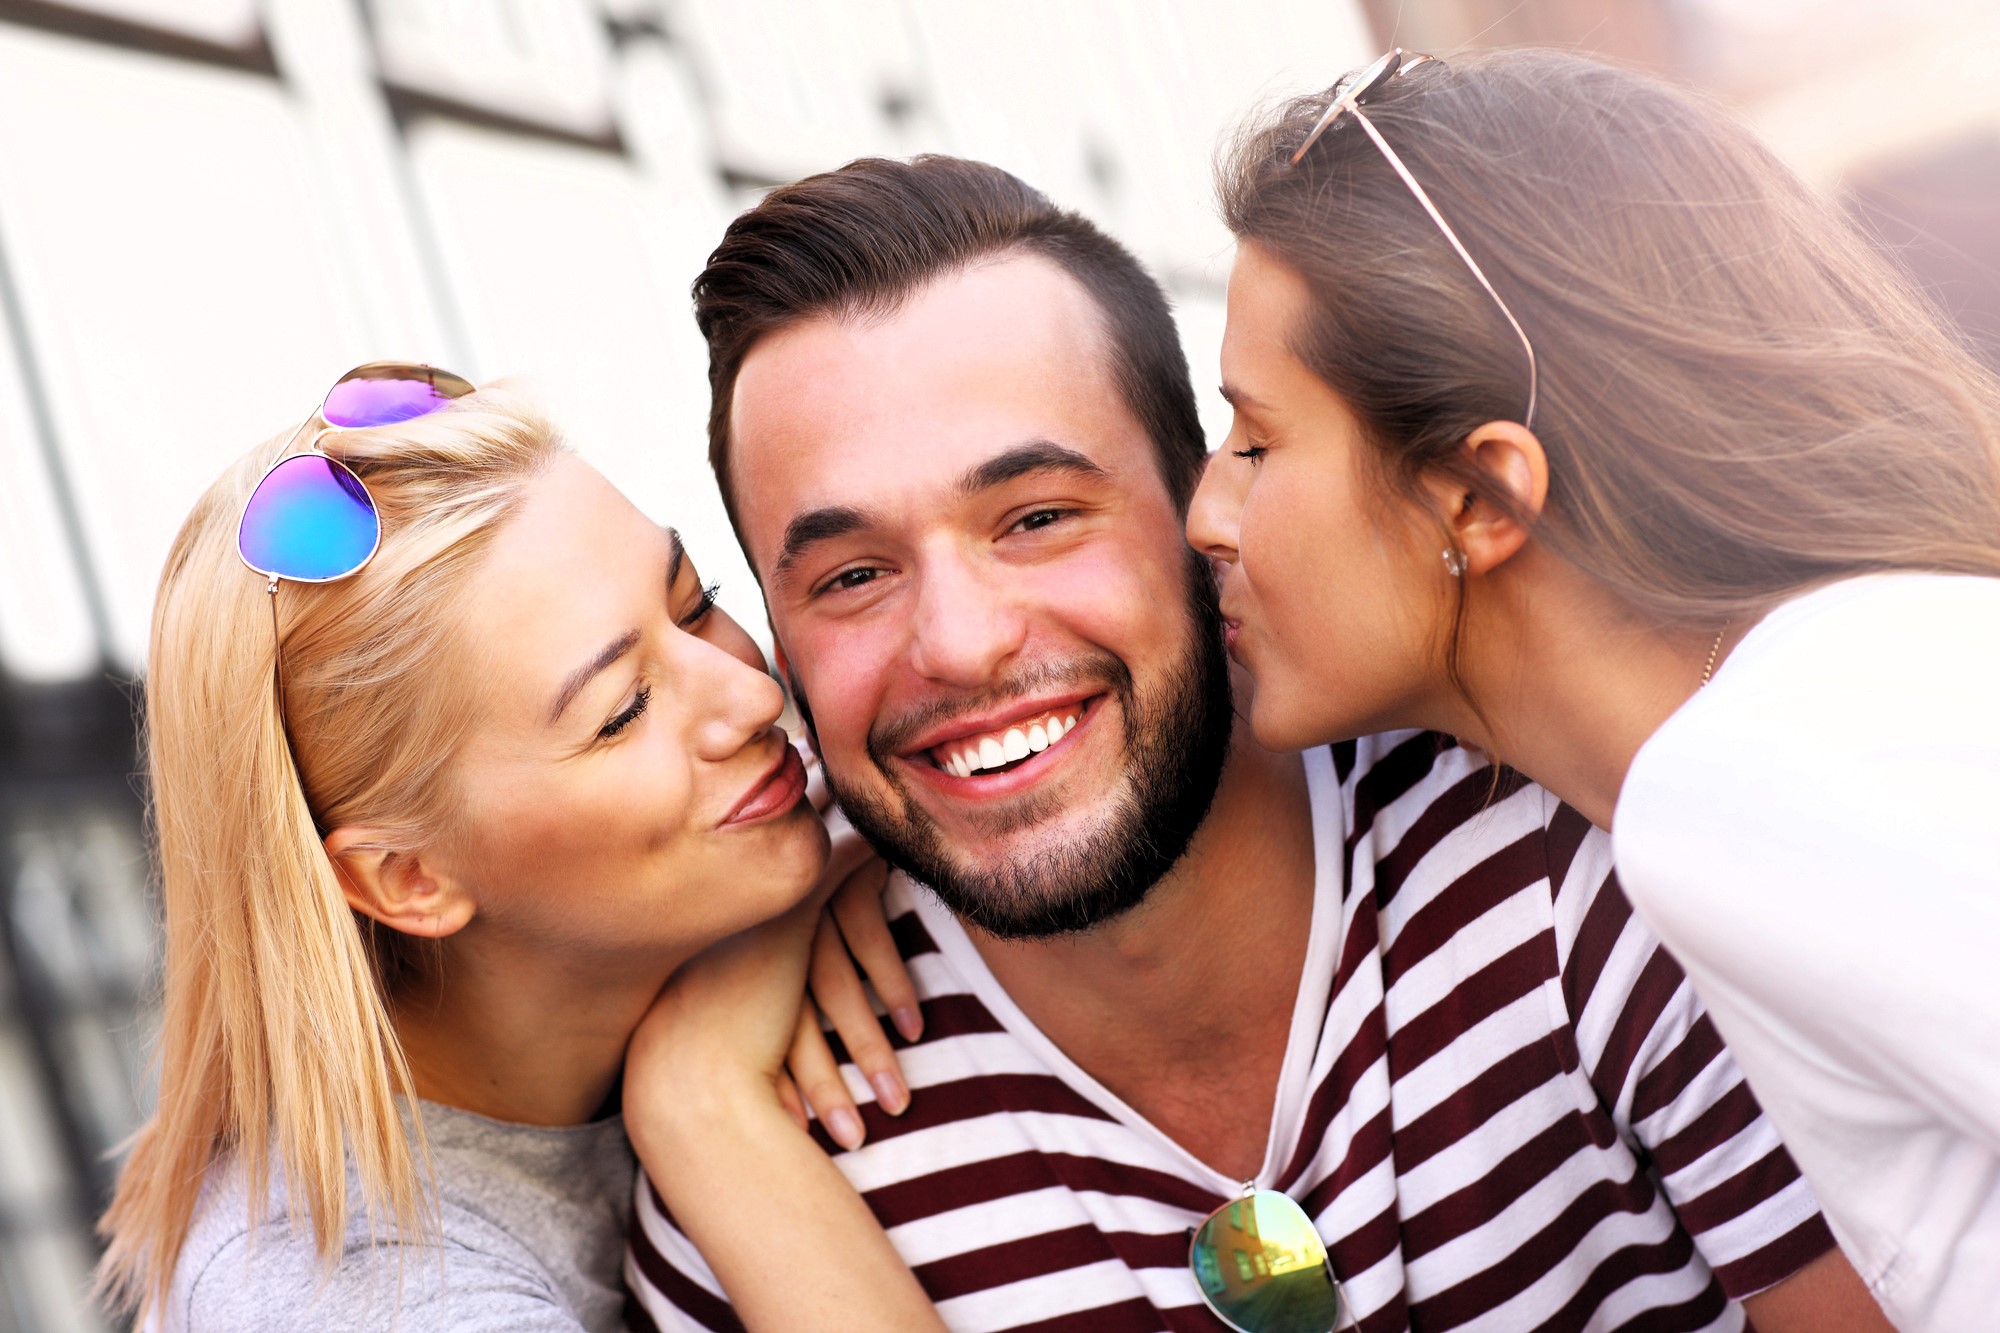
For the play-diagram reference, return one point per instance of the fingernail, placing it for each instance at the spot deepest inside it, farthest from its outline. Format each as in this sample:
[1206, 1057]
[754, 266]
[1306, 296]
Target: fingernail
[890, 1094]
[845, 1126]
[908, 1021]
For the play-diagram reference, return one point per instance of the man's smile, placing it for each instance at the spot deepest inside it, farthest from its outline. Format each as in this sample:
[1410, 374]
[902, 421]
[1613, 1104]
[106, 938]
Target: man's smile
[967, 755]
[996, 750]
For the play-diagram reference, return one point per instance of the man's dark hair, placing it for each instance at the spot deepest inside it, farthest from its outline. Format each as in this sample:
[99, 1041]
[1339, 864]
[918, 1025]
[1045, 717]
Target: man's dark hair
[862, 239]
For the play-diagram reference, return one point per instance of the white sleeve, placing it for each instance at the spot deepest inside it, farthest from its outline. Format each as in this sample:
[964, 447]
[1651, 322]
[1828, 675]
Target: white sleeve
[1841, 881]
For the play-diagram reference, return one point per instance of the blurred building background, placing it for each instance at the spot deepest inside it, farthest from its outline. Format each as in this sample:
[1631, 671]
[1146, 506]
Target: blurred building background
[210, 208]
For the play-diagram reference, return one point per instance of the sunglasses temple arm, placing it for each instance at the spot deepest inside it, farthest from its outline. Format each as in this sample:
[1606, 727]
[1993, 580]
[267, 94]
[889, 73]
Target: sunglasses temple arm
[304, 426]
[1340, 104]
[1528, 419]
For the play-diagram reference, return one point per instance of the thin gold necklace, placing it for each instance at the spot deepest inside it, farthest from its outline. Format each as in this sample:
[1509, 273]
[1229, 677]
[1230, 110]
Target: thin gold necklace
[1714, 651]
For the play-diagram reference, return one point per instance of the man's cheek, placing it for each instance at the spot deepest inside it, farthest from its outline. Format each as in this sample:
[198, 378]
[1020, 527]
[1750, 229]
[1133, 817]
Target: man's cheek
[836, 707]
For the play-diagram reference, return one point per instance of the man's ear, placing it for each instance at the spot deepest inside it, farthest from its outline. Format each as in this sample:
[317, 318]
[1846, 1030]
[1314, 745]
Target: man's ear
[1487, 534]
[398, 889]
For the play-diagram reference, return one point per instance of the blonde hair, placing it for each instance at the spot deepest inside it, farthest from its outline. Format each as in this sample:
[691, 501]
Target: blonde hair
[277, 1040]
[1740, 399]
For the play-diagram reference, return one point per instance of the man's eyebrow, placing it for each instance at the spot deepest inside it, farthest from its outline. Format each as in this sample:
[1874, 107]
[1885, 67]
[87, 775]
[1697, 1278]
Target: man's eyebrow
[1022, 459]
[815, 526]
[577, 679]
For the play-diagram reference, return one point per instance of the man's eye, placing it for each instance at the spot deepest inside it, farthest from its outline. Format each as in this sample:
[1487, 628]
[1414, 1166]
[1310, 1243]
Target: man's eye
[1040, 518]
[848, 579]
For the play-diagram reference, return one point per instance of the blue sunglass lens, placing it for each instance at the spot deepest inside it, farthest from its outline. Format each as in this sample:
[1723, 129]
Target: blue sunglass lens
[309, 520]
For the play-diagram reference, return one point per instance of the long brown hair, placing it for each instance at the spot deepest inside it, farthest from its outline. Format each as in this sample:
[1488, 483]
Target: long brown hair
[276, 1042]
[1739, 397]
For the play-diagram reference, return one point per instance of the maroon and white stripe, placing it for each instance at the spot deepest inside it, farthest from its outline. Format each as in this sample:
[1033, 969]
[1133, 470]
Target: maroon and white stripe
[1502, 1105]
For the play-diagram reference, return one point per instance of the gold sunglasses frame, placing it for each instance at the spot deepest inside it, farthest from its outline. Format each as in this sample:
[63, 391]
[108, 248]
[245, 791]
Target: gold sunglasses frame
[1348, 95]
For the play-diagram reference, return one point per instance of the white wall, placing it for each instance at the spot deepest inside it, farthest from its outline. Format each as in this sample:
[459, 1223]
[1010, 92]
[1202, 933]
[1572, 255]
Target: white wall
[198, 251]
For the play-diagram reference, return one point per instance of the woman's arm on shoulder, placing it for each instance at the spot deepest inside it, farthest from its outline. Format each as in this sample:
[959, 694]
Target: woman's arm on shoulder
[756, 1195]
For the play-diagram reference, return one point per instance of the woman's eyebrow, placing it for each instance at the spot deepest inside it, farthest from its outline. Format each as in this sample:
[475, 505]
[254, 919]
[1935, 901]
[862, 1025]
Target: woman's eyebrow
[1241, 400]
[573, 683]
[676, 553]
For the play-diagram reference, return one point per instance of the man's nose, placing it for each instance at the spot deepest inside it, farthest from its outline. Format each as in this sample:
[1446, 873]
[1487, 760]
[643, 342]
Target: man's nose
[968, 623]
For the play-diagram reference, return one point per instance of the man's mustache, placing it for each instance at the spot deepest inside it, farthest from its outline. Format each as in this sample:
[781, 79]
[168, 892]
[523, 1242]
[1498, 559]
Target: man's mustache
[1097, 671]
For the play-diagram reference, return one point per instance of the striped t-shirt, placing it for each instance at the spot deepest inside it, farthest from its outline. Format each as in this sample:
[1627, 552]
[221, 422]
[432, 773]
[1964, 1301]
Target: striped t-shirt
[1501, 1104]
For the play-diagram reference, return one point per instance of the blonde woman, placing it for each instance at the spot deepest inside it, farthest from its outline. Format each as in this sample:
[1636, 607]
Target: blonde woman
[453, 762]
[1570, 423]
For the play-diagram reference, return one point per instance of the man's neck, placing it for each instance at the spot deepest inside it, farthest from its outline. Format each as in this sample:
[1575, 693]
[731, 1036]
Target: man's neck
[1182, 1007]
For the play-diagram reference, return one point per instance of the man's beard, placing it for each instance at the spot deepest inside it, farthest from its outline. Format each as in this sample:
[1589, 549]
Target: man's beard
[1176, 739]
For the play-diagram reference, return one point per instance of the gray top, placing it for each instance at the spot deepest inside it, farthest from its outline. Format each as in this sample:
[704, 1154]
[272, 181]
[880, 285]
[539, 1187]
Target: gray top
[531, 1237]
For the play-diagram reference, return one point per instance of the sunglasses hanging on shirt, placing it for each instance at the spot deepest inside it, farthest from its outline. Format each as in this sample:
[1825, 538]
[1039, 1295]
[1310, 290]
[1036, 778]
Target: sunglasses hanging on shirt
[1261, 1266]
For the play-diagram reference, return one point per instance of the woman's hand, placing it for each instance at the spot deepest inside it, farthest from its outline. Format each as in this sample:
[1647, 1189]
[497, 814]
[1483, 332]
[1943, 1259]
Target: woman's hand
[719, 1031]
[852, 940]
[853, 930]
[707, 1103]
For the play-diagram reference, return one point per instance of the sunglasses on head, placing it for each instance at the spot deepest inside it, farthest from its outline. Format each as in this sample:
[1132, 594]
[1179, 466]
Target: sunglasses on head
[1348, 95]
[310, 519]
[1261, 1267]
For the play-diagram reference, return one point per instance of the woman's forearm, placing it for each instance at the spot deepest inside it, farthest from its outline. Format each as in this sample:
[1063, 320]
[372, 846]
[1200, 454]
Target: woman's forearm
[790, 1240]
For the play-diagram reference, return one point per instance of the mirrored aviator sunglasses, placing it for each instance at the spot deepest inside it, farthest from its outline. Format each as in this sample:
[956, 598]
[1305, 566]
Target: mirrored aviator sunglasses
[310, 519]
[1261, 1266]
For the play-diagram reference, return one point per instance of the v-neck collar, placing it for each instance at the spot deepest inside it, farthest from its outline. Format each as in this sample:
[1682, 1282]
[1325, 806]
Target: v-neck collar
[1309, 1009]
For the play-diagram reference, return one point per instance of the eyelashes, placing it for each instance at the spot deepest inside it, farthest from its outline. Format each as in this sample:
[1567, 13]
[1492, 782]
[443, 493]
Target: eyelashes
[629, 715]
[701, 607]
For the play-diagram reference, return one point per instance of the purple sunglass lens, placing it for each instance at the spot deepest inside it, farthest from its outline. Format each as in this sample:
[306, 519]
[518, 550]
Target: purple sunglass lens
[379, 395]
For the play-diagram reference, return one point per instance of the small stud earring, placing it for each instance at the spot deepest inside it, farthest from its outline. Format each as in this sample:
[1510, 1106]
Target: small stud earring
[1454, 562]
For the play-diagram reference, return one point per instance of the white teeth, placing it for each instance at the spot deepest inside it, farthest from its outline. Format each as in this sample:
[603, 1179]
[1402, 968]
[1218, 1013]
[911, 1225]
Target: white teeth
[1010, 746]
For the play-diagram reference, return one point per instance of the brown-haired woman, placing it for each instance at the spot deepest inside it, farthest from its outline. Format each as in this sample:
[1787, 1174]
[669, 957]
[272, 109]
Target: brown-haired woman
[1570, 423]
[432, 834]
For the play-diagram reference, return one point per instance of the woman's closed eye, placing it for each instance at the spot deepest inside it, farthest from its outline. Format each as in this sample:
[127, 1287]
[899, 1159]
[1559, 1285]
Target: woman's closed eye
[703, 605]
[627, 715]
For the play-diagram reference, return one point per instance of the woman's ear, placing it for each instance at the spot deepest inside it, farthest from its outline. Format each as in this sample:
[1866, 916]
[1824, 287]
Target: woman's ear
[397, 889]
[1486, 534]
